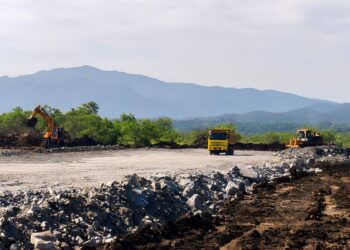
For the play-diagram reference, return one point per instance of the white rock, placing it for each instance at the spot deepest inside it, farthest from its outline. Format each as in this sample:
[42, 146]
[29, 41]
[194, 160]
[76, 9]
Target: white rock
[169, 185]
[51, 191]
[249, 173]
[44, 240]
[79, 240]
[231, 188]
[112, 184]
[15, 247]
[189, 190]
[156, 186]
[196, 202]
[185, 182]
[43, 224]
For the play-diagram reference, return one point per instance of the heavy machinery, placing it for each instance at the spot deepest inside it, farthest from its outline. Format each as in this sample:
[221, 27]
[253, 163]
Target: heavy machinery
[54, 136]
[221, 141]
[305, 138]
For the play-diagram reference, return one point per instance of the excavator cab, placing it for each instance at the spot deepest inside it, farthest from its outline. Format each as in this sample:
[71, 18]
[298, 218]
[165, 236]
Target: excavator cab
[57, 133]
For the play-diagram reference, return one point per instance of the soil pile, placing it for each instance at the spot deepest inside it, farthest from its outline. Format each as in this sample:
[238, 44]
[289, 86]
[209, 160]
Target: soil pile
[20, 139]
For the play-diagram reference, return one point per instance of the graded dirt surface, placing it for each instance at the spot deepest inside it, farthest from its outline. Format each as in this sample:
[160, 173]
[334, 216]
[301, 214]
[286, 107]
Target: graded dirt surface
[80, 169]
[305, 212]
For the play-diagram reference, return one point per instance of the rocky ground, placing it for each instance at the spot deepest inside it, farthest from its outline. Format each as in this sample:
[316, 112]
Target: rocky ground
[139, 213]
[306, 211]
[11, 152]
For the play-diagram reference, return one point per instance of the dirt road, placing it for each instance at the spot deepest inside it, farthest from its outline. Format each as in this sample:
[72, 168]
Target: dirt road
[71, 170]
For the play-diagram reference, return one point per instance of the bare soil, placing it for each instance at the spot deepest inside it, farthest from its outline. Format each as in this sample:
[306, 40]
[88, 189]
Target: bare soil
[307, 212]
[29, 170]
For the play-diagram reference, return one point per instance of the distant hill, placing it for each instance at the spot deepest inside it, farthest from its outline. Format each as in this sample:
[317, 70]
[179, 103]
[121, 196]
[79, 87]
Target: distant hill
[118, 92]
[322, 115]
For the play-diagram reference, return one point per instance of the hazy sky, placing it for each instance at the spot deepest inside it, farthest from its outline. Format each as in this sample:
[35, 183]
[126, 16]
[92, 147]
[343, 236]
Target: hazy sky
[299, 46]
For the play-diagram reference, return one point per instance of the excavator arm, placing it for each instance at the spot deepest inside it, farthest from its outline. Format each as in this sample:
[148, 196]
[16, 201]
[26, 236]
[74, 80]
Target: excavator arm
[39, 110]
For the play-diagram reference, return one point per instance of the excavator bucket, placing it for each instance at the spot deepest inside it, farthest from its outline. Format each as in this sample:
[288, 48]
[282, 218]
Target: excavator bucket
[32, 122]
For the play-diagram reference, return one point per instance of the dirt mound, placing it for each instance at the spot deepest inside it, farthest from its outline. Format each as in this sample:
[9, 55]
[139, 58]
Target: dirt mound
[275, 146]
[154, 239]
[18, 139]
[169, 145]
[33, 138]
[83, 141]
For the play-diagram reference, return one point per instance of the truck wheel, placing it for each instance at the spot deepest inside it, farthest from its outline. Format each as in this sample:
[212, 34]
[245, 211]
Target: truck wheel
[230, 151]
[210, 152]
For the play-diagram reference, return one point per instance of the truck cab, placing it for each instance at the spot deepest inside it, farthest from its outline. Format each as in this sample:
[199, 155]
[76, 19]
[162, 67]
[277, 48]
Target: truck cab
[221, 141]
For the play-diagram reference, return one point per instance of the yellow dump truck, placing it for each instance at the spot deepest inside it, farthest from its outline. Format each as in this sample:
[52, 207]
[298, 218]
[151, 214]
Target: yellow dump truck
[221, 141]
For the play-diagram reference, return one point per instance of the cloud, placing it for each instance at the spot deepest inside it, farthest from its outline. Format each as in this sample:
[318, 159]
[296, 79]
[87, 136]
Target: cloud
[290, 45]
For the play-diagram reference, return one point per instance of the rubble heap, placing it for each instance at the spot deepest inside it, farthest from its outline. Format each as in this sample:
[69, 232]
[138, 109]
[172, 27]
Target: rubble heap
[87, 217]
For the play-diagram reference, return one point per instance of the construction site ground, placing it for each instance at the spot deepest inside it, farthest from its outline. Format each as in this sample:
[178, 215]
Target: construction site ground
[24, 170]
[307, 212]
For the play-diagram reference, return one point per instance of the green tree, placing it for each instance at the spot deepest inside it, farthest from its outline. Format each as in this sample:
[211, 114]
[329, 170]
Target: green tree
[14, 120]
[130, 130]
[91, 108]
[165, 130]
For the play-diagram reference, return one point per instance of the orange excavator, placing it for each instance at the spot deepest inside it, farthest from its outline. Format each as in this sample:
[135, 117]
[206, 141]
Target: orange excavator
[54, 137]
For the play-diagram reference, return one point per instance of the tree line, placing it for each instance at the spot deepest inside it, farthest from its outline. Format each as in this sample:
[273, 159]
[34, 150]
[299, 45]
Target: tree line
[129, 131]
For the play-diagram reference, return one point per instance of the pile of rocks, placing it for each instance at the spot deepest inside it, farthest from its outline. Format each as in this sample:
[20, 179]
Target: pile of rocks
[86, 217]
[78, 149]
[12, 153]
[303, 157]
[51, 219]
[24, 151]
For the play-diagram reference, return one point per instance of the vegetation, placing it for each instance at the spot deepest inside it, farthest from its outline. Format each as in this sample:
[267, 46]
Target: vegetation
[85, 121]
[261, 127]
[267, 138]
[329, 136]
[129, 131]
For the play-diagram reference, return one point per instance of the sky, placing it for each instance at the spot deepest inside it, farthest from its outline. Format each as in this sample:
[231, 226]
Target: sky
[297, 46]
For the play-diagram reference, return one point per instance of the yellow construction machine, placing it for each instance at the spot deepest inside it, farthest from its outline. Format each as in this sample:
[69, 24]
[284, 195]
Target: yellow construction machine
[305, 138]
[221, 141]
[54, 136]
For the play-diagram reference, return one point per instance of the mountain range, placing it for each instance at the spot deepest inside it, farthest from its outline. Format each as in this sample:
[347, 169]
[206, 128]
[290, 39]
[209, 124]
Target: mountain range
[118, 92]
[327, 116]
